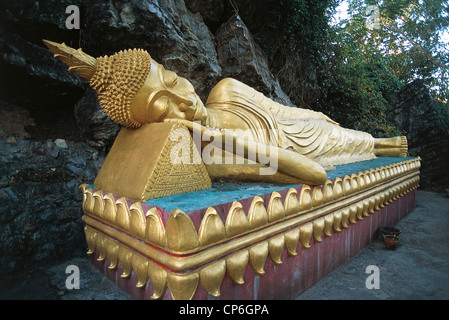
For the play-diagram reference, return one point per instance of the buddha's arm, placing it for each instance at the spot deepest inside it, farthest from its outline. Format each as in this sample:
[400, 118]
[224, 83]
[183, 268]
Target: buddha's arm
[285, 161]
[288, 162]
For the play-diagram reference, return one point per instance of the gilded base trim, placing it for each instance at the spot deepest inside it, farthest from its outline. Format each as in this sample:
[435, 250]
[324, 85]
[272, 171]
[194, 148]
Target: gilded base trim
[179, 257]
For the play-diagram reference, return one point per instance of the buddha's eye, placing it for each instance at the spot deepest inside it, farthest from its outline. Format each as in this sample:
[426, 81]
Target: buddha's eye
[170, 79]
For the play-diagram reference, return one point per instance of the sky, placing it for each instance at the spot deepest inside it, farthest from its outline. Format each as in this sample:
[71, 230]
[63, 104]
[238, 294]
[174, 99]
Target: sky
[342, 13]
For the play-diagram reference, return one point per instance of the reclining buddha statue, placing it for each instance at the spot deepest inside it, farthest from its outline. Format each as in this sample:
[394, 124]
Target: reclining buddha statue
[135, 90]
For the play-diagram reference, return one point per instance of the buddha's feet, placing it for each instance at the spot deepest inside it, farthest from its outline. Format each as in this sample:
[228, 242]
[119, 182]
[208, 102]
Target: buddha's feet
[391, 147]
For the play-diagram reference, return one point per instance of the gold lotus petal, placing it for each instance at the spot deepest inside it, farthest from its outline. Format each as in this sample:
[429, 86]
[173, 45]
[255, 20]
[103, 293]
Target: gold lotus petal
[258, 256]
[318, 226]
[180, 232]
[317, 196]
[125, 259]
[361, 180]
[236, 265]
[377, 175]
[305, 233]
[389, 196]
[236, 221]
[354, 185]
[211, 277]
[110, 209]
[291, 241]
[158, 279]
[140, 267]
[91, 234]
[366, 207]
[402, 189]
[276, 247]
[100, 243]
[353, 213]
[346, 185]
[382, 173]
[137, 221]
[291, 203]
[328, 191]
[376, 205]
[373, 176]
[276, 209]
[83, 187]
[372, 204]
[122, 216]
[328, 223]
[395, 193]
[345, 217]
[347, 188]
[212, 228]
[154, 230]
[88, 200]
[257, 214]
[337, 221]
[98, 204]
[182, 286]
[112, 252]
[305, 198]
[382, 197]
[360, 210]
[338, 188]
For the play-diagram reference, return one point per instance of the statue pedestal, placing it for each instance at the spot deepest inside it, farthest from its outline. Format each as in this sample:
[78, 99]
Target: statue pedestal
[245, 241]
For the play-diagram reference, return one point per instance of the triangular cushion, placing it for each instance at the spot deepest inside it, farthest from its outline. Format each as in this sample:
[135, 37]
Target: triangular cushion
[156, 160]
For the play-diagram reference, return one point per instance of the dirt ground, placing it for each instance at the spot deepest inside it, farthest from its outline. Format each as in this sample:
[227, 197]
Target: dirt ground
[418, 269]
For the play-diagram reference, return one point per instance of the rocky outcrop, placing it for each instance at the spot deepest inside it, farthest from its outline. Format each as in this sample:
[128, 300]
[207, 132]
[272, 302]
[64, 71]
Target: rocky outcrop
[53, 133]
[413, 111]
[241, 58]
[40, 203]
[174, 37]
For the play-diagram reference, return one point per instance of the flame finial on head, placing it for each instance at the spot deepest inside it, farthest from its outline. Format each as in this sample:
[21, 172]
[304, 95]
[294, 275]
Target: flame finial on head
[116, 78]
[77, 60]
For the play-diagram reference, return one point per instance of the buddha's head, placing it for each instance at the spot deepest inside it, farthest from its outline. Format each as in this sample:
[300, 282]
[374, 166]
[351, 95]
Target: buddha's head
[132, 88]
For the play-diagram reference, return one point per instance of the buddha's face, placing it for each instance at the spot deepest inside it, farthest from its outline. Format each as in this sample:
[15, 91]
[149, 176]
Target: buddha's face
[165, 95]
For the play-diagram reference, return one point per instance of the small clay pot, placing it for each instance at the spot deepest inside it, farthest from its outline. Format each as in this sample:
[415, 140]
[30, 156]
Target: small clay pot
[391, 241]
[389, 230]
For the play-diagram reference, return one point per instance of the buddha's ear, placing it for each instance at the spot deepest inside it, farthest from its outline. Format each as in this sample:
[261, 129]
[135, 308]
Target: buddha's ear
[78, 61]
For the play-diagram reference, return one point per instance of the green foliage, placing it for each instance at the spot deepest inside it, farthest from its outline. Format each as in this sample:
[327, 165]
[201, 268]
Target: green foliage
[410, 37]
[358, 66]
[298, 27]
[357, 82]
[356, 92]
[443, 110]
[367, 64]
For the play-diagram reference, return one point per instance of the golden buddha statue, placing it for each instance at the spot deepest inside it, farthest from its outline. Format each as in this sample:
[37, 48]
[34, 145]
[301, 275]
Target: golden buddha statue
[134, 90]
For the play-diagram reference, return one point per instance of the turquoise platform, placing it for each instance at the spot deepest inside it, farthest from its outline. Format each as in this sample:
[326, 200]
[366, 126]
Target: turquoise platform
[223, 192]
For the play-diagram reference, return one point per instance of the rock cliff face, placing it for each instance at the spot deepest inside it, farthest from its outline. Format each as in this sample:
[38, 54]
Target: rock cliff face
[54, 135]
[413, 111]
